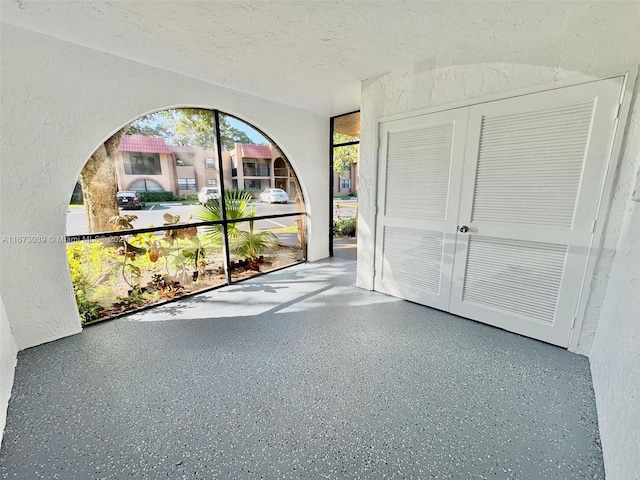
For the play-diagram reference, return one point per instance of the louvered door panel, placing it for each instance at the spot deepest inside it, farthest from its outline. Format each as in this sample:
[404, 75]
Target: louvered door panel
[519, 278]
[533, 173]
[424, 270]
[420, 166]
[530, 165]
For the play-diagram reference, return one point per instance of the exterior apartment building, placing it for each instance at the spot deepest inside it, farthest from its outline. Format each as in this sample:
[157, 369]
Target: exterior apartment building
[148, 163]
[258, 167]
[346, 184]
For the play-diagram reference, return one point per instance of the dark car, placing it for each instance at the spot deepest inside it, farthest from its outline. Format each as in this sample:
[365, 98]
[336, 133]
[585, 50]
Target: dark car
[130, 200]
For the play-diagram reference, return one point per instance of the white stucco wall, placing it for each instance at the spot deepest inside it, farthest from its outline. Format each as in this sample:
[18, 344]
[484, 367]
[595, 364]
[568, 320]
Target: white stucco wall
[8, 352]
[615, 356]
[612, 302]
[59, 101]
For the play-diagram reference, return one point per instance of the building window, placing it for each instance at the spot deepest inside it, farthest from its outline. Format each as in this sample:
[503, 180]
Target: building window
[136, 163]
[186, 184]
[210, 162]
[145, 185]
[211, 183]
[345, 184]
[184, 159]
[256, 184]
[256, 169]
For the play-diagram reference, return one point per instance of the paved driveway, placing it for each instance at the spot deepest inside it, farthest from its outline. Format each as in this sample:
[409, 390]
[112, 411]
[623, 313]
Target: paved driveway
[153, 216]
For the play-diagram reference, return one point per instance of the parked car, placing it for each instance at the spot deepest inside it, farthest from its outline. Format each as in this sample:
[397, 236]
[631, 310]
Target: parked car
[130, 200]
[208, 193]
[274, 195]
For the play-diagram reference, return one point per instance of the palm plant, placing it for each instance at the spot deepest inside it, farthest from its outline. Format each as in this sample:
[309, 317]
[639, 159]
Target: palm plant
[251, 245]
[248, 244]
[237, 208]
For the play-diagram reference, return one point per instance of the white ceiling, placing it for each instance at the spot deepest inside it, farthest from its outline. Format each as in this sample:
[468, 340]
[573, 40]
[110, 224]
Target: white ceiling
[313, 54]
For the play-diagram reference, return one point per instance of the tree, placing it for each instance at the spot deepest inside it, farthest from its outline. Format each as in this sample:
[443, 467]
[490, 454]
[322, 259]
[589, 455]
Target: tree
[189, 127]
[345, 156]
[100, 184]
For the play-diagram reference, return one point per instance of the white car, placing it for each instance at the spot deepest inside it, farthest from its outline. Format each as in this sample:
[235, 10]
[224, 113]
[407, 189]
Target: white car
[274, 195]
[208, 193]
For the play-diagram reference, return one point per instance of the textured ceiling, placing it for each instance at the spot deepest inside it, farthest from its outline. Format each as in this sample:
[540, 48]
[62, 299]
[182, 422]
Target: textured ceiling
[313, 54]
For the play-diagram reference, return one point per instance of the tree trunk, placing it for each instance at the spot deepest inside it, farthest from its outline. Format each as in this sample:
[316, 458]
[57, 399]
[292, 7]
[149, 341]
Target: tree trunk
[99, 184]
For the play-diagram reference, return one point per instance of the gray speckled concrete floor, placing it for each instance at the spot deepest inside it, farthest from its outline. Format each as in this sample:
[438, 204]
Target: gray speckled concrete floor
[298, 374]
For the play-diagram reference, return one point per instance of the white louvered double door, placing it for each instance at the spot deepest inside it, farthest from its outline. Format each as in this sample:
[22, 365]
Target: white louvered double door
[487, 211]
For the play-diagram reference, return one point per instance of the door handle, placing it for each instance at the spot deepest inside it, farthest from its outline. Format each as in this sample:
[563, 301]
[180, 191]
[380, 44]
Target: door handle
[464, 229]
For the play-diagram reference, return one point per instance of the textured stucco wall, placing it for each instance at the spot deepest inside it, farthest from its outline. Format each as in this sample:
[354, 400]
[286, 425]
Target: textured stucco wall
[8, 353]
[614, 368]
[615, 355]
[59, 101]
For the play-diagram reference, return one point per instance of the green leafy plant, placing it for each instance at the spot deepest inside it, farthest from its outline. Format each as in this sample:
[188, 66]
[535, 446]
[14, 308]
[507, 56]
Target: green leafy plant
[156, 196]
[345, 227]
[90, 264]
[248, 244]
[135, 298]
[181, 255]
[122, 222]
[89, 310]
[237, 203]
[188, 196]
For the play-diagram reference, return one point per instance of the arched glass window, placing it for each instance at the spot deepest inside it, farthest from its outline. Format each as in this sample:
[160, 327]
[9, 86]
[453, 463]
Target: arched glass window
[222, 204]
[145, 185]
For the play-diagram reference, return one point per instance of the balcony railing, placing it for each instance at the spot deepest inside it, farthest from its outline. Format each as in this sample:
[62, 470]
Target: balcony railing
[256, 172]
[281, 172]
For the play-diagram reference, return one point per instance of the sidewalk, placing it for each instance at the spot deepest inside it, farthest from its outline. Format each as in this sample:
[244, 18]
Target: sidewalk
[345, 248]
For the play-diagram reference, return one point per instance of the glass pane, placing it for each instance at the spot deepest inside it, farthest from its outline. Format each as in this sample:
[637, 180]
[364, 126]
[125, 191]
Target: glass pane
[265, 245]
[178, 140]
[125, 272]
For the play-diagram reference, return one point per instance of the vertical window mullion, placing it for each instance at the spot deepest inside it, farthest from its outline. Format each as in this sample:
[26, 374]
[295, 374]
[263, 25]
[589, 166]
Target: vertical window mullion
[331, 173]
[223, 200]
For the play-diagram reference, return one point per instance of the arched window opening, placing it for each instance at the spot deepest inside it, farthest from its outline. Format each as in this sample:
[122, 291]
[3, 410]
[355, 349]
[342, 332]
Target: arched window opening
[216, 202]
[145, 185]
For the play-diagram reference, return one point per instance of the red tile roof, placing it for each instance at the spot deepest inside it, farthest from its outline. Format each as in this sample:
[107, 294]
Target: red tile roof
[138, 143]
[256, 151]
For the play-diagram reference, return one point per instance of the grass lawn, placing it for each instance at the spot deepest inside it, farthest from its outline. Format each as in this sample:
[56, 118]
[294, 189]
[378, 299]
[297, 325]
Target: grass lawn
[289, 229]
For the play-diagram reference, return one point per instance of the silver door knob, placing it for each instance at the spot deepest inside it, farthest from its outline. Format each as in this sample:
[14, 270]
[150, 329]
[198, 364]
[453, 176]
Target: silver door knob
[464, 229]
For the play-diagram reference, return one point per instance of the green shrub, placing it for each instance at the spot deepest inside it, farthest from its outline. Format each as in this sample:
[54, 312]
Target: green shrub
[188, 196]
[156, 196]
[89, 310]
[345, 227]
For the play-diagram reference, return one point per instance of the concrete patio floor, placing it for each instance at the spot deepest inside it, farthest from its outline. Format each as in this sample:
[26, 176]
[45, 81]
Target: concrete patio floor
[299, 374]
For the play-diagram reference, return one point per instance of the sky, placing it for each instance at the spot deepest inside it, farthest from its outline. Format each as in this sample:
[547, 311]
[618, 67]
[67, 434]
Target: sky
[250, 131]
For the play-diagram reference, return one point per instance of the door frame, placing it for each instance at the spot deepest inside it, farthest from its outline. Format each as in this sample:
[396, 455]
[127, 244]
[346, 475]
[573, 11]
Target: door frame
[630, 74]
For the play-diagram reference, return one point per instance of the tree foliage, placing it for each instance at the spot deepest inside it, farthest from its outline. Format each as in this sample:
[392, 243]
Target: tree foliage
[189, 127]
[345, 156]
